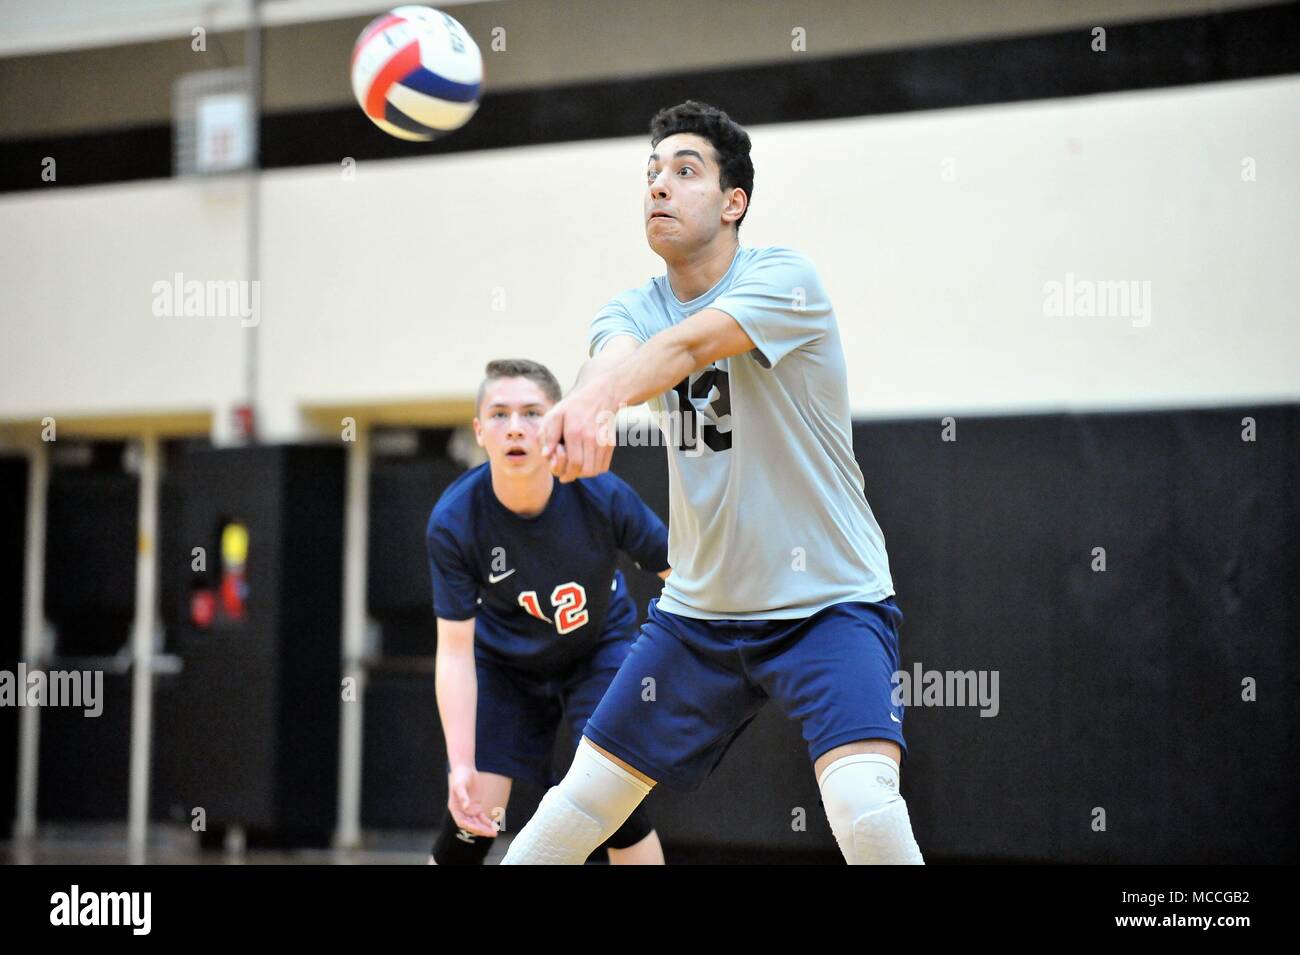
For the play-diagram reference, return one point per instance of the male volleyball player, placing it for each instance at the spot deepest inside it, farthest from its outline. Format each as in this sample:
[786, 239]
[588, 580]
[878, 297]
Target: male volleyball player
[534, 616]
[780, 586]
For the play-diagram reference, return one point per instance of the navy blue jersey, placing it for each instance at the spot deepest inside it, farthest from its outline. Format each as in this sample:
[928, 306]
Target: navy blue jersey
[546, 590]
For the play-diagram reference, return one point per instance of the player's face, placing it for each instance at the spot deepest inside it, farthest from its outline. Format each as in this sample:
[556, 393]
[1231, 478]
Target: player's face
[682, 180]
[507, 424]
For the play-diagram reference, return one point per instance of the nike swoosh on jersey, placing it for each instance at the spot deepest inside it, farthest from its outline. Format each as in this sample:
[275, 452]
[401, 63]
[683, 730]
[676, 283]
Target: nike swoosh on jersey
[494, 578]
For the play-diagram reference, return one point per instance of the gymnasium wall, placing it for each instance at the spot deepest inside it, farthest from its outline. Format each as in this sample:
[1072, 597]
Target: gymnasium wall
[940, 163]
[401, 281]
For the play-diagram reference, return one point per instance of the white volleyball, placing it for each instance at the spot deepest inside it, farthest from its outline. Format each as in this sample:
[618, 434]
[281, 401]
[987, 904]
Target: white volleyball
[417, 73]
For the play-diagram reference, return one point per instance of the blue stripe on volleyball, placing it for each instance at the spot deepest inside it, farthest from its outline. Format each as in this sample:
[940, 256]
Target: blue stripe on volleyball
[399, 119]
[431, 84]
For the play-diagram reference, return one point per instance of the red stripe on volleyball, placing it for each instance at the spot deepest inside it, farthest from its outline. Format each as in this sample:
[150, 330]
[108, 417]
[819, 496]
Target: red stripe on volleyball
[383, 23]
[404, 61]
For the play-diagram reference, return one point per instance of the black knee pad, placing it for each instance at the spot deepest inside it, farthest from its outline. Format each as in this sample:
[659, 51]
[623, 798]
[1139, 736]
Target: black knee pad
[455, 846]
[634, 829]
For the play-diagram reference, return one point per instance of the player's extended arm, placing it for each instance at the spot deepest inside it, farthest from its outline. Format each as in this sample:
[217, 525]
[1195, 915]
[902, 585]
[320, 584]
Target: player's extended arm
[577, 435]
[707, 336]
[615, 350]
[456, 683]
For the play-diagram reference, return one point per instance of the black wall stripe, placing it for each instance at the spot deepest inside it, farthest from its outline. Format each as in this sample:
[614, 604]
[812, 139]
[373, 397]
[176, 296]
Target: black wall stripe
[1228, 45]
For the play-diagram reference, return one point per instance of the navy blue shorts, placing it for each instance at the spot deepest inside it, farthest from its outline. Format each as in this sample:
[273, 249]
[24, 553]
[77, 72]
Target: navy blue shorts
[519, 715]
[832, 672]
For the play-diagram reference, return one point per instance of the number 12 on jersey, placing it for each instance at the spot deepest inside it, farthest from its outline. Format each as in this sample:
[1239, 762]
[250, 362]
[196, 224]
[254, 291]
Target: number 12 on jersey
[569, 601]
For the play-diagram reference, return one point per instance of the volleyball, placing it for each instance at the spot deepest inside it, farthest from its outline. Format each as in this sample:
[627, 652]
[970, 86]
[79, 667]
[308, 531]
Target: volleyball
[417, 73]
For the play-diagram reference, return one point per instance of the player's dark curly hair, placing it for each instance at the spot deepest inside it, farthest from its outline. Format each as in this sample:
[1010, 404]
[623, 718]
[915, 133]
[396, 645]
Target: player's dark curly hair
[519, 368]
[728, 138]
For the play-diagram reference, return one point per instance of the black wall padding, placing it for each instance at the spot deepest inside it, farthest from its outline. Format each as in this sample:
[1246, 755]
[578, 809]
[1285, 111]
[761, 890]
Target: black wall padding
[90, 564]
[403, 783]
[13, 535]
[249, 728]
[1121, 689]
[90, 558]
[1118, 690]
[402, 494]
[1235, 569]
[84, 766]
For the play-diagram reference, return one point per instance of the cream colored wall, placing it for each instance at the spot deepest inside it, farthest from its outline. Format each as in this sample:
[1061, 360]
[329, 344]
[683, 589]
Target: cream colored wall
[78, 268]
[384, 286]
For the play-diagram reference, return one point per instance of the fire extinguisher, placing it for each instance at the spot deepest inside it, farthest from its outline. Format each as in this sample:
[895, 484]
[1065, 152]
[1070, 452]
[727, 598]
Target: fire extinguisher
[234, 558]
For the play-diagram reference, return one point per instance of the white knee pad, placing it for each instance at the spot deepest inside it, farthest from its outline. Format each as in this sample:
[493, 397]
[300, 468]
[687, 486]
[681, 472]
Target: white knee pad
[595, 797]
[866, 812]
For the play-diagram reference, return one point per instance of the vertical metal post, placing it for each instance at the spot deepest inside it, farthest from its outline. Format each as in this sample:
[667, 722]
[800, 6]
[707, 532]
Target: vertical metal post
[146, 621]
[29, 718]
[254, 65]
[356, 529]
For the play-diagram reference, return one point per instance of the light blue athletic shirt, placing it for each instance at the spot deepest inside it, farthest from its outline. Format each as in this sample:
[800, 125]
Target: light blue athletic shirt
[767, 514]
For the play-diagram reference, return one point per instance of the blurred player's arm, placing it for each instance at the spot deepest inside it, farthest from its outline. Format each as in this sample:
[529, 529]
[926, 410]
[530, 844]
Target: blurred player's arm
[664, 575]
[457, 688]
[456, 683]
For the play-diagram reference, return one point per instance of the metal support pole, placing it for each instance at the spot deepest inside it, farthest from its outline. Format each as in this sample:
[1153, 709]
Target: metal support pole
[356, 529]
[146, 621]
[29, 717]
[252, 338]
